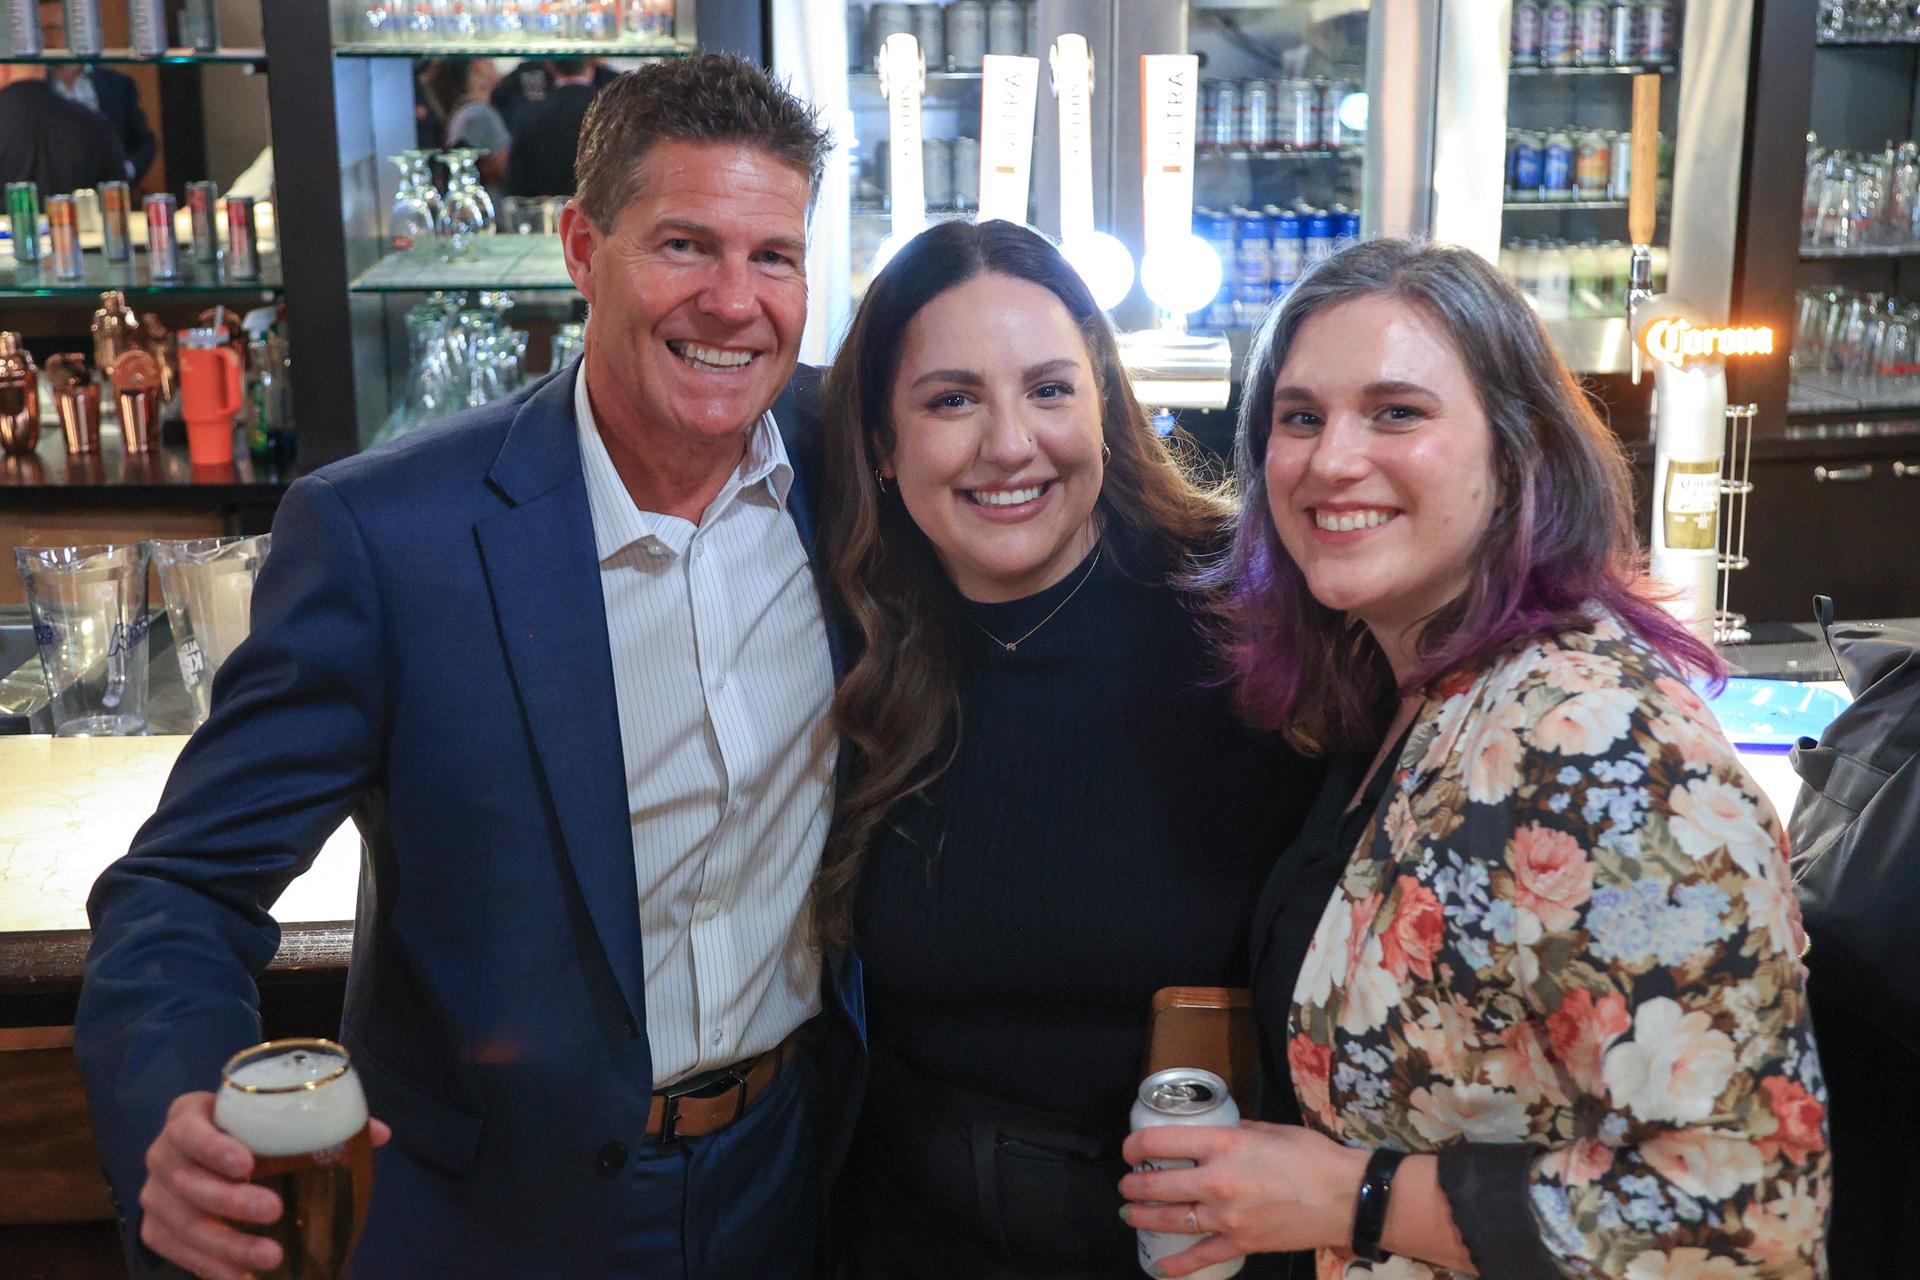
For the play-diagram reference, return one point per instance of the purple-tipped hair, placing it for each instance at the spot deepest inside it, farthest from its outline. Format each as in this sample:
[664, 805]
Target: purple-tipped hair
[1559, 550]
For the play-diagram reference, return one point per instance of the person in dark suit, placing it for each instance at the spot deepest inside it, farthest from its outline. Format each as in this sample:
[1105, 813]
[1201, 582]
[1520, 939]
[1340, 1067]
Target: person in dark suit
[48, 140]
[115, 96]
[564, 662]
[540, 160]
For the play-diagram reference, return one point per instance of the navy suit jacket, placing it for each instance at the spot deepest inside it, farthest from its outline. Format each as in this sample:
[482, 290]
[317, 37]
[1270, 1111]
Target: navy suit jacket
[119, 101]
[429, 654]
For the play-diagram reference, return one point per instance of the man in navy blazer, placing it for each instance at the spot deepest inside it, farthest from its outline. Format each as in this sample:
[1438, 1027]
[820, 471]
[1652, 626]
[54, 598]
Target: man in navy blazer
[564, 662]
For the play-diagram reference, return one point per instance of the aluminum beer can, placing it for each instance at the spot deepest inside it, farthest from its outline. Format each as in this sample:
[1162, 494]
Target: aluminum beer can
[930, 29]
[1592, 158]
[884, 20]
[163, 250]
[936, 159]
[966, 34]
[200, 25]
[1526, 32]
[243, 239]
[1289, 255]
[1301, 107]
[63, 227]
[23, 28]
[1182, 1096]
[1526, 165]
[1556, 33]
[966, 173]
[1590, 33]
[147, 27]
[1656, 31]
[202, 199]
[1216, 229]
[1346, 228]
[1620, 165]
[82, 20]
[1319, 242]
[23, 213]
[116, 203]
[1256, 115]
[1007, 27]
[1621, 49]
[1223, 113]
[1556, 166]
[1332, 134]
[1252, 260]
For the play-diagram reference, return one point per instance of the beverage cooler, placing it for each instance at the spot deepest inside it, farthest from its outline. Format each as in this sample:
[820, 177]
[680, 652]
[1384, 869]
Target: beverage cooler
[1290, 102]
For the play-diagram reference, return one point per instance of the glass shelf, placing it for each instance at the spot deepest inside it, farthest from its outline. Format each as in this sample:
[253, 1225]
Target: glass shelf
[36, 279]
[1535, 206]
[1651, 68]
[1867, 42]
[516, 49]
[517, 263]
[1816, 393]
[1355, 152]
[933, 77]
[255, 57]
[1812, 253]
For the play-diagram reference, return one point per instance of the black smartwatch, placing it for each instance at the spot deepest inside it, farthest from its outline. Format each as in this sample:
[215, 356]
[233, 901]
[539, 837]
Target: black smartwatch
[1370, 1210]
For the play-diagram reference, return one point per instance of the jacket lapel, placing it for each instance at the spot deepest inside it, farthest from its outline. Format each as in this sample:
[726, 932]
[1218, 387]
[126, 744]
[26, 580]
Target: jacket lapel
[544, 574]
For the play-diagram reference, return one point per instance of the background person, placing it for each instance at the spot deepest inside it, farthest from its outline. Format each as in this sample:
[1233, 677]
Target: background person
[563, 661]
[472, 121]
[1049, 811]
[115, 96]
[50, 140]
[540, 158]
[1545, 941]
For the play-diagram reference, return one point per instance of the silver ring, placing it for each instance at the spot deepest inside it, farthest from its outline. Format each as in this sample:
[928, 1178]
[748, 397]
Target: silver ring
[1193, 1220]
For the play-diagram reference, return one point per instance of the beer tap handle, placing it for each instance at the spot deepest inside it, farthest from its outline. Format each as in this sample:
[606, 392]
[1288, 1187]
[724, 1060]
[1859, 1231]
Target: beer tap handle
[1644, 173]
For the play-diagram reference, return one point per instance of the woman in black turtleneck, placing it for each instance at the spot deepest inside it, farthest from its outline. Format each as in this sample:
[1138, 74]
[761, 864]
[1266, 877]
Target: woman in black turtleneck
[1047, 810]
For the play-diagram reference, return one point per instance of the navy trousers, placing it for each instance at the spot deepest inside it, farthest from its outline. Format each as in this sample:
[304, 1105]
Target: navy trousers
[740, 1204]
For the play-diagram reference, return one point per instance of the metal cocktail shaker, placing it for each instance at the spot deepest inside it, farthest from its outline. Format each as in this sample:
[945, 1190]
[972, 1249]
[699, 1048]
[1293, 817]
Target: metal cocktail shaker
[19, 398]
[137, 391]
[76, 400]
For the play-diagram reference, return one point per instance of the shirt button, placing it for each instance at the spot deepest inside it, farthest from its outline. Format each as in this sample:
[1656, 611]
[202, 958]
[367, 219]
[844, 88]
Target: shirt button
[719, 684]
[718, 1036]
[611, 1159]
[708, 911]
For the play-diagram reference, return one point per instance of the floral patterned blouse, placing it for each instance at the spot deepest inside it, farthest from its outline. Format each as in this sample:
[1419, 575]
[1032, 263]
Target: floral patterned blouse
[1564, 956]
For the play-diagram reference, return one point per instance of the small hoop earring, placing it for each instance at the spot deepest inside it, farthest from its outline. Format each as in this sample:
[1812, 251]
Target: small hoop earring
[1106, 453]
[880, 479]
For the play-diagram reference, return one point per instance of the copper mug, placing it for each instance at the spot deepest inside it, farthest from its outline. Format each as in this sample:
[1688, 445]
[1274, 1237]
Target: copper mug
[76, 399]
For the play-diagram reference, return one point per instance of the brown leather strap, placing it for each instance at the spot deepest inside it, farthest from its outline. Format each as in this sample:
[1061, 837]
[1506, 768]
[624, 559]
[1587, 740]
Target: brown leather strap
[687, 1116]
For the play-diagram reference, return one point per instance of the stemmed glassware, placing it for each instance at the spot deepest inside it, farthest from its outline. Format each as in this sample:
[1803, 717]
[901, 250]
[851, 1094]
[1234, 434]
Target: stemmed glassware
[414, 217]
[1853, 201]
[468, 209]
[463, 356]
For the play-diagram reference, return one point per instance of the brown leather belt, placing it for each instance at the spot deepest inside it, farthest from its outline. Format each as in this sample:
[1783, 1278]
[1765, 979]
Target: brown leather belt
[716, 1102]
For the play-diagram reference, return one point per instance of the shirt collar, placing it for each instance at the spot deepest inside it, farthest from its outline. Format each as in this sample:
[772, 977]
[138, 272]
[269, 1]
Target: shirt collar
[619, 523]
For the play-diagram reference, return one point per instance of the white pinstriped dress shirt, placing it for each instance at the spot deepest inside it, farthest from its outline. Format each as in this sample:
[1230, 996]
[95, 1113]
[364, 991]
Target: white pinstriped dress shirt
[721, 670]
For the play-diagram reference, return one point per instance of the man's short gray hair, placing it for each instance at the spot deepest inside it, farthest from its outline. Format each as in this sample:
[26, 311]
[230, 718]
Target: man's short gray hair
[709, 97]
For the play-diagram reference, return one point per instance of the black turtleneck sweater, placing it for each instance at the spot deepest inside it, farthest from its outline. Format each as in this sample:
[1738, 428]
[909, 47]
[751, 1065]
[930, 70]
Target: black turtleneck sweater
[1103, 832]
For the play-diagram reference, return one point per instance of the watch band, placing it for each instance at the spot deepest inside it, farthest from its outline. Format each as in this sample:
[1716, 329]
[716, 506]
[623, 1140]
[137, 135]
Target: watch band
[1370, 1210]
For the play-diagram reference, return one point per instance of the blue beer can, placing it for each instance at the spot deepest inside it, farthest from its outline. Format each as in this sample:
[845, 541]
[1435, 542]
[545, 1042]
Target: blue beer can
[1527, 165]
[1346, 228]
[1216, 229]
[1556, 166]
[1289, 257]
[1319, 236]
[1253, 250]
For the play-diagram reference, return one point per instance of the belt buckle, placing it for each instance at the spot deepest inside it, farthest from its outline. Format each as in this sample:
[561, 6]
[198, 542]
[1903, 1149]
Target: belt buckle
[732, 1076]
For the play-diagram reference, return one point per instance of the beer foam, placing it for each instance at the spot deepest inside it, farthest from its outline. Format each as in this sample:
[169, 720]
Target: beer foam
[296, 1121]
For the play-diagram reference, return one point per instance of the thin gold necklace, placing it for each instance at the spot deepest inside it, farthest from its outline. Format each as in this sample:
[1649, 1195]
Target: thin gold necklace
[1012, 645]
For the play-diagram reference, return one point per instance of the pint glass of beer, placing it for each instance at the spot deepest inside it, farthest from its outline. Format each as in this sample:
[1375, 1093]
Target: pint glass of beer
[298, 1107]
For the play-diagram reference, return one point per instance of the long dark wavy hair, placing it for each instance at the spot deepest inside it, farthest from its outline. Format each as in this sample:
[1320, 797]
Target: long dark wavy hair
[900, 704]
[1560, 545]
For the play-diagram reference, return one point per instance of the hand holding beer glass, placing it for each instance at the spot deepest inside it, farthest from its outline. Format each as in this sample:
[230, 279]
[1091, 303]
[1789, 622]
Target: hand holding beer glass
[289, 1118]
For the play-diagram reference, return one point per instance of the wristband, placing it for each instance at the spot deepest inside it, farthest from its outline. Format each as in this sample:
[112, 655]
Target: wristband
[1370, 1209]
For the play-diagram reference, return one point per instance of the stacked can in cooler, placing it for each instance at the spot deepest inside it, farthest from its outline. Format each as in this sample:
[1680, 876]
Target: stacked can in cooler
[953, 36]
[1263, 116]
[1567, 164]
[1264, 252]
[1594, 33]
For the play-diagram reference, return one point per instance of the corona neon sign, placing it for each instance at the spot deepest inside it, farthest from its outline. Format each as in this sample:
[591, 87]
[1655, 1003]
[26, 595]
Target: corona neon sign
[1674, 341]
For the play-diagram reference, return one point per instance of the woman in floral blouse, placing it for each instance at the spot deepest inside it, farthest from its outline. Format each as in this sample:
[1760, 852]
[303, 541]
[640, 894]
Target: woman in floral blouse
[1539, 935]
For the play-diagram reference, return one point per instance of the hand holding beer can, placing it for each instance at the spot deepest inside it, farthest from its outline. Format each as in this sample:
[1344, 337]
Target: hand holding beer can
[298, 1106]
[1182, 1095]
